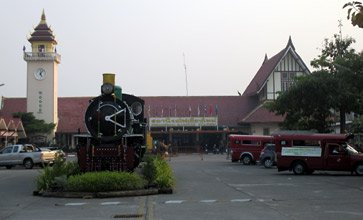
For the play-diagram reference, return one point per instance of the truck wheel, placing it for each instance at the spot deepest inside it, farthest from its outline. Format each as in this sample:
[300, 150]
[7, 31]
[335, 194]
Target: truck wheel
[267, 163]
[298, 168]
[246, 159]
[359, 169]
[8, 167]
[28, 163]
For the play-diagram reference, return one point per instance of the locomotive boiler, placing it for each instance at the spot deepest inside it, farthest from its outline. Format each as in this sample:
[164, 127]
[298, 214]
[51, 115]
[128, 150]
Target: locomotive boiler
[116, 126]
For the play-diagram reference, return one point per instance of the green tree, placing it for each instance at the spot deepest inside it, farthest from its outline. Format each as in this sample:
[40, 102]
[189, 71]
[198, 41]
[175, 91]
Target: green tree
[336, 58]
[307, 103]
[355, 13]
[33, 125]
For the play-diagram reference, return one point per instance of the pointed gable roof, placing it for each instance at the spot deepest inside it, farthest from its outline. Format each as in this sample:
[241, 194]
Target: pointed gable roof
[268, 67]
[42, 32]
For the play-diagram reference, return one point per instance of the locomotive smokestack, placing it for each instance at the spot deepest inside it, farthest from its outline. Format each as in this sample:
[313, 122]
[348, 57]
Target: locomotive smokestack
[109, 78]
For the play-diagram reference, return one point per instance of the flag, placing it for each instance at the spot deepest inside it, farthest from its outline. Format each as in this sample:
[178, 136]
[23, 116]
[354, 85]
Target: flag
[216, 110]
[162, 111]
[169, 111]
[175, 110]
[148, 111]
[205, 110]
[210, 110]
[198, 111]
[190, 111]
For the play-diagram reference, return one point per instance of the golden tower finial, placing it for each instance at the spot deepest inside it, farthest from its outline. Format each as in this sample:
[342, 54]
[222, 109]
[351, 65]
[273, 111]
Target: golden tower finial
[43, 19]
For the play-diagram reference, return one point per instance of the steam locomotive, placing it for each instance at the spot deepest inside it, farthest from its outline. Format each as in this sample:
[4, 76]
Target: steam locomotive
[116, 127]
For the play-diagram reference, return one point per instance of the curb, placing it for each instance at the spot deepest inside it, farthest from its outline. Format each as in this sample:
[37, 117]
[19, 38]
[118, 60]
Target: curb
[90, 195]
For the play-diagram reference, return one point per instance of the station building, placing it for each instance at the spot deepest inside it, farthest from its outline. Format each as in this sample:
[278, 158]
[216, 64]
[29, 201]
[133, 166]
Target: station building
[186, 122]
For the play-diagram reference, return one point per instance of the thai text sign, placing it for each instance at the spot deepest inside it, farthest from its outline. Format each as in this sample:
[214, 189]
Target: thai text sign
[301, 151]
[183, 122]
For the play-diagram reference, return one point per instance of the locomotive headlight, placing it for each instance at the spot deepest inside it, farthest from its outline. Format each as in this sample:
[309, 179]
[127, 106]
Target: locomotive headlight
[136, 108]
[107, 89]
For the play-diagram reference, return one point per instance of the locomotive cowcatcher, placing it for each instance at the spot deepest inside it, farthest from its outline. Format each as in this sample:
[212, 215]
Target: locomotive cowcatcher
[116, 127]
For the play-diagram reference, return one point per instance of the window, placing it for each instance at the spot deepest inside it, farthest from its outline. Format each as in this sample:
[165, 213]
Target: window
[41, 48]
[266, 131]
[287, 78]
[7, 150]
[251, 142]
[308, 143]
[15, 149]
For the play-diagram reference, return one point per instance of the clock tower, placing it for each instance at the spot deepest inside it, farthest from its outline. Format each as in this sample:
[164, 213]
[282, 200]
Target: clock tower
[42, 73]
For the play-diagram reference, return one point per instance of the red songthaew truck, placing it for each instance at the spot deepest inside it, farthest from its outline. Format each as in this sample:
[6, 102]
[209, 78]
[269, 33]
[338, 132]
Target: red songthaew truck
[247, 148]
[305, 153]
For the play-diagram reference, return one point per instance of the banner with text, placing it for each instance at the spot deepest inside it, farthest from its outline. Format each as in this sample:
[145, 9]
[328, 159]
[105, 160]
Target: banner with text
[184, 122]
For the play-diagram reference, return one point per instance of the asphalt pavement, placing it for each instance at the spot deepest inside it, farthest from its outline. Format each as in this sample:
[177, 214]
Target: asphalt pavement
[208, 187]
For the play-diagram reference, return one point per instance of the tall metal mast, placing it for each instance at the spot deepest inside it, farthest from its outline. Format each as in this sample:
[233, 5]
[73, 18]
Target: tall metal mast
[186, 75]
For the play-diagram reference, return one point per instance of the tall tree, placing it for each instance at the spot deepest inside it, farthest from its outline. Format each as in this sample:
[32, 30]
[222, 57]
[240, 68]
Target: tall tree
[307, 103]
[355, 13]
[334, 58]
[32, 125]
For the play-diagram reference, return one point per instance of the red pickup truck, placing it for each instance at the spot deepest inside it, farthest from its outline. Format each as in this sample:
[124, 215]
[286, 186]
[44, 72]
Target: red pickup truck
[247, 148]
[305, 153]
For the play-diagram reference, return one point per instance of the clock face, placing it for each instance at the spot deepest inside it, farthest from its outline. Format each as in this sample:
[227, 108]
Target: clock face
[40, 74]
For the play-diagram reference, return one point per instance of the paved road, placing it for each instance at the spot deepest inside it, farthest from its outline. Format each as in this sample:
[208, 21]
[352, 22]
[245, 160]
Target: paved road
[212, 188]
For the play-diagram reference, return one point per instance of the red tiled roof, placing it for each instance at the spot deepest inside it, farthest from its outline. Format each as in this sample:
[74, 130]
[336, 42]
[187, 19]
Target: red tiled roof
[262, 115]
[231, 109]
[268, 66]
[71, 112]
[263, 73]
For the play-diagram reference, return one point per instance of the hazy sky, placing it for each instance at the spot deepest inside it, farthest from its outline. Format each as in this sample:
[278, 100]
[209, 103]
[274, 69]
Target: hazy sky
[143, 41]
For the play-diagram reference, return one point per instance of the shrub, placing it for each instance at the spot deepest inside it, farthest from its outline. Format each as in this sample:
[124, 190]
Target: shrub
[54, 178]
[105, 181]
[158, 172]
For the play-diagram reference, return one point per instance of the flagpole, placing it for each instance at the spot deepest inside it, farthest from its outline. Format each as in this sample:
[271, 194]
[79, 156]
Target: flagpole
[186, 75]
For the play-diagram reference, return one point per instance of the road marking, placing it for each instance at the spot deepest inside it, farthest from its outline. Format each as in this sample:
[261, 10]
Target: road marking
[75, 204]
[110, 203]
[261, 184]
[345, 213]
[241, 200]
[208, 201]
[174, 201]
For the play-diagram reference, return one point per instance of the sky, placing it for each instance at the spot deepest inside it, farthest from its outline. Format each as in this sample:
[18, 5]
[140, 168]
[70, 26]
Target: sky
[224, 42]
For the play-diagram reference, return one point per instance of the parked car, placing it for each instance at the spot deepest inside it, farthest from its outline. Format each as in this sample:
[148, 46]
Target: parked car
[268, 156]
[26, 155]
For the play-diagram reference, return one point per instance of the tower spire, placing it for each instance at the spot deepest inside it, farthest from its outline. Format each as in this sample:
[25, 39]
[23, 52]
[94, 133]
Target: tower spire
[289, 43]
[42, 18]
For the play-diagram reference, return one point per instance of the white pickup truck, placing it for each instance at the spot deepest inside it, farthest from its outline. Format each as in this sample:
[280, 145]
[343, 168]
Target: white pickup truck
[26, 155]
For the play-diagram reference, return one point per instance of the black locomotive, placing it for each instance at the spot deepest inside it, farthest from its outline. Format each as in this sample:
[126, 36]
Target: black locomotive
[116, 126]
